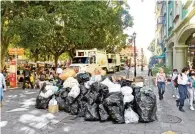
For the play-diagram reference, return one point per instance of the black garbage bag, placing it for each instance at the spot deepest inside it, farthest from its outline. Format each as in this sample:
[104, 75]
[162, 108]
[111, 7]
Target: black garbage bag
[91, 112]
[124, 82]
[96, 87]
[115, 106]
[68, 102]
[83, 89]
[146, 106]
[103, 92]
[61, 103]
[64, 92]
[82, 107]
[103, 113]
[99, 92]
[83, 77]
[91, 97]
[116, 114]
[74, 108]
[42, 103]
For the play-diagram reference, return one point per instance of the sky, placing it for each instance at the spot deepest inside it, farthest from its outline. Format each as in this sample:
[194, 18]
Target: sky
[144, 22]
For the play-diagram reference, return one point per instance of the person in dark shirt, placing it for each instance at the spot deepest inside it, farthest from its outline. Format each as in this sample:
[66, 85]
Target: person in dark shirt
[27, 75]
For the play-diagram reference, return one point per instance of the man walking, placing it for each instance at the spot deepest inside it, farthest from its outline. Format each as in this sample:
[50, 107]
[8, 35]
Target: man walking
[27, 75]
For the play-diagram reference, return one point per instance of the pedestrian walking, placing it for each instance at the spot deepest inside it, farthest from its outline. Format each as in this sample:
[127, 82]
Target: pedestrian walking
[27, 75]
[161, 82]
[2, 87]
[191, 88]
[174, 83]
[182, 88]
[150, 70]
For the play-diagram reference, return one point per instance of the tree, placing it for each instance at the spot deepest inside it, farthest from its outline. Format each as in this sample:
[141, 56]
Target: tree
[9, 11]
[55, 27]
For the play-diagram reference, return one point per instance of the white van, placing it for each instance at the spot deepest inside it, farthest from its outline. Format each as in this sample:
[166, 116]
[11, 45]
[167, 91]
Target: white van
[90, 59]
[114, 63]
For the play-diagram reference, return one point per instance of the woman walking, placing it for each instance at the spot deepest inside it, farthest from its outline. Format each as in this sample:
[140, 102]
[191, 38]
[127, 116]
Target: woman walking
[2, 87]
[160, 83]
[191, 88]
[182, 87]
[174, 83]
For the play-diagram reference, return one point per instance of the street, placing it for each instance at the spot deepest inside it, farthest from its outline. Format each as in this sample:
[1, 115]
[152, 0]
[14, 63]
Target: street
[19, 116]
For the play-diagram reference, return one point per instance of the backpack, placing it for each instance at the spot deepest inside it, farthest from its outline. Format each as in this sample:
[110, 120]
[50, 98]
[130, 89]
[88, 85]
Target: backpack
[175, 82]
[27, 73]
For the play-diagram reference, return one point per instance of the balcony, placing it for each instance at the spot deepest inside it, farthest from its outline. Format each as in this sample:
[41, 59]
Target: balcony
[159, 5]
[161, 20]
[160, 42]
[186, 3]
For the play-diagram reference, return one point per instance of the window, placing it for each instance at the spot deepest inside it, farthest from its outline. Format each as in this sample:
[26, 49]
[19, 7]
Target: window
[164, 31]
[177, 11]
[170, 19]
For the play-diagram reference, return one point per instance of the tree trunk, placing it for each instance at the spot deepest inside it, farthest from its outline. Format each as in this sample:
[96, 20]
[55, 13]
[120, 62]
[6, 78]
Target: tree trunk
[48, 57]
[36, 57]
[56, 57]
[4, 49]
[71, 53]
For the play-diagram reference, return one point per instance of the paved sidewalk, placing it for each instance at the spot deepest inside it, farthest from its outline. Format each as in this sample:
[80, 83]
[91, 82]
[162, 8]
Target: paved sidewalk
[19, 116]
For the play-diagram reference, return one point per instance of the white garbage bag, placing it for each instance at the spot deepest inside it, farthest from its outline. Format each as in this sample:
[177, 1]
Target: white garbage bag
[88, 84]
[96, 78]
[70, 82]
[114, 88]
[47, 94]
[131, 116]
[53, 102]
[128, 98]
[107, 82]
[74, 92]
[126, 90]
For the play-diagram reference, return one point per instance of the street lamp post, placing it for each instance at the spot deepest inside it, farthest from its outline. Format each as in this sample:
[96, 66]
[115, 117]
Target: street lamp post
[142, 60]
[135, 64]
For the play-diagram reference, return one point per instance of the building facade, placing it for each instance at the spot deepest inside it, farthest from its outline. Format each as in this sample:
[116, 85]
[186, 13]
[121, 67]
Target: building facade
[176, 35]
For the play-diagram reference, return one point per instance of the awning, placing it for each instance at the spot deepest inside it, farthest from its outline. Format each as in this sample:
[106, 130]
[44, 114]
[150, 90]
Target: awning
[162, 56]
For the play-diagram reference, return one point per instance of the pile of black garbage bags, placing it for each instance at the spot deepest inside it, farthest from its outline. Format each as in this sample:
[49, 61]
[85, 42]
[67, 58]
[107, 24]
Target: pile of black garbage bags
[96, 103]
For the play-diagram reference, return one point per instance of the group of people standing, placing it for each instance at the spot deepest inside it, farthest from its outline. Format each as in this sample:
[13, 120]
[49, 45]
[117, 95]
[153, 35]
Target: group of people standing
[183, 86]
[33, 77]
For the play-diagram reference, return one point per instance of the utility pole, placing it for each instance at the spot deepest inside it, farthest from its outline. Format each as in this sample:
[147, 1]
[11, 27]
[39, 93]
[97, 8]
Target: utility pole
[135, 64]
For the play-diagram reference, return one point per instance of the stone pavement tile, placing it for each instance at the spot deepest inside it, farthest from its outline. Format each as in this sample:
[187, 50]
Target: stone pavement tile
[152, 126]
[149, 132]
[140, 126]
[132, 132]
[140, 132]
[180, 128]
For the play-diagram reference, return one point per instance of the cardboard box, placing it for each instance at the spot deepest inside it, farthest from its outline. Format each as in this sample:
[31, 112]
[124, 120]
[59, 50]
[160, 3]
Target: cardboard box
[138, 79]
[138, 84]
[53, 109]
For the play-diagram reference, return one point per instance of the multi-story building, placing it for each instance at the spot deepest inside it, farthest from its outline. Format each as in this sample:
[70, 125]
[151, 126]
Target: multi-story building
[160, 11]
[128, 54]
[176, 25]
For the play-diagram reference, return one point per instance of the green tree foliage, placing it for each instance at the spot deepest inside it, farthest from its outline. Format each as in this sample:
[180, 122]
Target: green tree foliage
[55, 27]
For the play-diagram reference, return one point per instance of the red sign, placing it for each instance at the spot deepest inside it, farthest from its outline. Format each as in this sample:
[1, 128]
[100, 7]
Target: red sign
[12, 75]
[12, 79]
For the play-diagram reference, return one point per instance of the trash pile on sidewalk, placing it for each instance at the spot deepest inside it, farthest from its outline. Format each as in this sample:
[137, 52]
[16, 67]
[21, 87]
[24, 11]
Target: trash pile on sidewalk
[99, 98]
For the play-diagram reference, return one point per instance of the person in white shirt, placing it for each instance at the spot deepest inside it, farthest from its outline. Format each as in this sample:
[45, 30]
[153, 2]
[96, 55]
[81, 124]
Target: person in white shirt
[191, 88]
[182, 87]
[2, 87]
[174, 84]
[160, 83]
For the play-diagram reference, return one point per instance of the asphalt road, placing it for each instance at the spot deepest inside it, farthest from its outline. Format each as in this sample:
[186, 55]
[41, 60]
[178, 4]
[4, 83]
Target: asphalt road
[19, 116]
